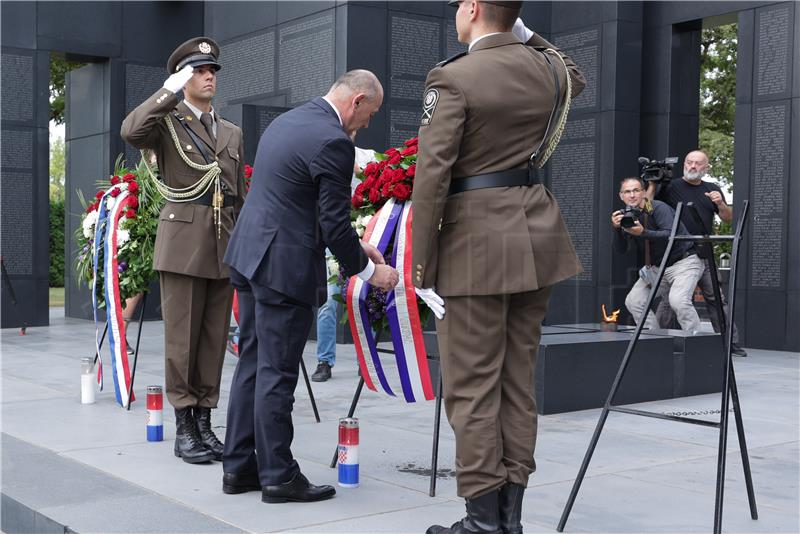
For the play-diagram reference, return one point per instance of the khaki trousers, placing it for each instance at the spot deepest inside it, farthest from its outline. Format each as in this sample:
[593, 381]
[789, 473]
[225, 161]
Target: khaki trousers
[488, 347]
[196, 314]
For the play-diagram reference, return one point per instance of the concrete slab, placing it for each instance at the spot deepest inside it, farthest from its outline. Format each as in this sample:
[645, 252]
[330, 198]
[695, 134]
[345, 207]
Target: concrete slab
[91, 469]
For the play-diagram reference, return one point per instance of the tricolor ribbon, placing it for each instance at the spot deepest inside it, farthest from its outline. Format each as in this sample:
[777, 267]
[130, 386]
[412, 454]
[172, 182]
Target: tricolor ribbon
[408, 371]
[106, 235]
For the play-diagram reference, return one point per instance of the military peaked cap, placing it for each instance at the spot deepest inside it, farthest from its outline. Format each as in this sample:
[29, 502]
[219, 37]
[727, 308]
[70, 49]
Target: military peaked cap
[194, 52]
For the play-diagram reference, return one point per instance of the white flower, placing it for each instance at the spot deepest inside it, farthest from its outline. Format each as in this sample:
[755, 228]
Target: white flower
[122, 237]
[88, 224]
[110, 202]
[333, 266]
[367, 219]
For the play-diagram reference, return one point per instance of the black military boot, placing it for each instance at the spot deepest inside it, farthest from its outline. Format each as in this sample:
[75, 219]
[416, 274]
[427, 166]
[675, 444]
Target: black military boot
[188, 444]
[511, 508]
[483, 517]
[203, 418]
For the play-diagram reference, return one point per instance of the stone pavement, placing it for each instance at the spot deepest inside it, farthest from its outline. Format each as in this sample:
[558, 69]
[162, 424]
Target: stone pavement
[88, 468]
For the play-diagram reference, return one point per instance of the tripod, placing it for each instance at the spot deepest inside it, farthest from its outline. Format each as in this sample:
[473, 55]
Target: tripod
[436, 424]
[136, 357]
[729, 390]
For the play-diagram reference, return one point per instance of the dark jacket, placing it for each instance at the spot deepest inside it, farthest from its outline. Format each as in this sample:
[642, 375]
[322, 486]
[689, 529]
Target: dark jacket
[299, 203]
[657, 228]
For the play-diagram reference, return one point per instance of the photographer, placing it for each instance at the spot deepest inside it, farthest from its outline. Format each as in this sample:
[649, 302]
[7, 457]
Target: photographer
[709, 200]
[649, 224]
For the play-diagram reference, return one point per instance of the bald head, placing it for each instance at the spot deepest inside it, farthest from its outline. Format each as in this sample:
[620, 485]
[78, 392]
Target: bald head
[695, 166]
[356, 81]
[357, 96]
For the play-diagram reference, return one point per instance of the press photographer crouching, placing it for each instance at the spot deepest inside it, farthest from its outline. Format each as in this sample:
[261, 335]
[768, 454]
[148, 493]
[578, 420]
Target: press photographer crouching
[649, 224]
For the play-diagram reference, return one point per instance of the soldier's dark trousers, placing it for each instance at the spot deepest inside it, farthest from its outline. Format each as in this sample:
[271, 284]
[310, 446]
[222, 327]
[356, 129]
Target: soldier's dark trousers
[488, 347]
[196, 314]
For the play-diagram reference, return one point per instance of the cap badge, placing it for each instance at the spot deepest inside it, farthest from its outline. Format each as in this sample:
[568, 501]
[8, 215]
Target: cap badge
[205, 47]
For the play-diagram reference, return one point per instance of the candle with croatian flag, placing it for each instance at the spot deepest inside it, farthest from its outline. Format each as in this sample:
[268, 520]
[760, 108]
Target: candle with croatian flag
[348, 452]
[155, 413]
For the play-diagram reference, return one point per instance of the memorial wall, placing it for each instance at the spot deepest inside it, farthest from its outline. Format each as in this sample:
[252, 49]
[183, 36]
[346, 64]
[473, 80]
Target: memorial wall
[641, 61]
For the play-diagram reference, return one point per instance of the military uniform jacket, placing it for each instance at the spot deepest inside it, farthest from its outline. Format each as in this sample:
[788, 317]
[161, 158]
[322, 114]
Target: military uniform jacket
[187, 241]
[484, 112]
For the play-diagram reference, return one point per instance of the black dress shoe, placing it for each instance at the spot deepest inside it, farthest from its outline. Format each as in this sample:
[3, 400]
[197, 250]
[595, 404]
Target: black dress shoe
[299, 489]
[235, 483]
[736, 350]
[322, 373]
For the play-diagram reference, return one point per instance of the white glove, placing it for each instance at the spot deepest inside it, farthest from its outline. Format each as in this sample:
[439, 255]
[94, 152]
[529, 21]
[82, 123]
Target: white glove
[434, 301]
[176, 81]
[521, 31]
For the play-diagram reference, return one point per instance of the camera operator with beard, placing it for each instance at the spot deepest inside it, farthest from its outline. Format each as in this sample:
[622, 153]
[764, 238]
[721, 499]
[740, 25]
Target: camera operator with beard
[708, 199]
[649, 223]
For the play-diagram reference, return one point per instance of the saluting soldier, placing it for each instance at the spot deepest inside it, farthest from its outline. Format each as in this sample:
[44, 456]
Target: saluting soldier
[489, 237]
[202, 179]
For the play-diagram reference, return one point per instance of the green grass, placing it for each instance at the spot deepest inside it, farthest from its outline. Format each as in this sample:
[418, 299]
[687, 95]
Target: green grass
[56, 296]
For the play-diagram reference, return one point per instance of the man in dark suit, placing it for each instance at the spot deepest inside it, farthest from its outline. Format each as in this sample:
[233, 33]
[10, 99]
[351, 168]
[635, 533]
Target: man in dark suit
[298, 204]
[192, 143]
[490, 238]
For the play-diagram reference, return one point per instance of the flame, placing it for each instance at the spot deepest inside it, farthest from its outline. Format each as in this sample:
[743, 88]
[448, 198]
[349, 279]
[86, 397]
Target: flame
[609, 318]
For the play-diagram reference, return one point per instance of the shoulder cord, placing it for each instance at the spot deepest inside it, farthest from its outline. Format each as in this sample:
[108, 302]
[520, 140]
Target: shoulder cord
[196, 190]
[562, 120]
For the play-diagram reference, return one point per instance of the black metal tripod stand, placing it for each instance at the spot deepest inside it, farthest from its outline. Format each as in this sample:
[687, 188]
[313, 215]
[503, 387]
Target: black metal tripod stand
[436, 423]
[136, 357]
[729, 390]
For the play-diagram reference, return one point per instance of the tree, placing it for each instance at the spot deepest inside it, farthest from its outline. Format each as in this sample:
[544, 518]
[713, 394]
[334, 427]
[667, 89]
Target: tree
[718, 98]
[57, 168]
[58, 81]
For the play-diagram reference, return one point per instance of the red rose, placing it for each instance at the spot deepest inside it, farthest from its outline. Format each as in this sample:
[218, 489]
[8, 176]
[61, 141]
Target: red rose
[394, 159]
[412, 142]
[392, 151]
[114, 180]
[98, 195]
[358, 201]
[369, 183]
[410, 151]
[90, 208]
[130, 213]
[399, 176]
[371, 169]
[133, 203]
[402, 192]
[359, 190]
[128, 177]
[133, 187]
[248, 171]
[386, 190]
[374, 195]
[115, 192]
[411, 171]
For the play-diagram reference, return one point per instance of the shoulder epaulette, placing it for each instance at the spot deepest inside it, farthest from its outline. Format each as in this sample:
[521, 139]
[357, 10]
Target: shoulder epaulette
[451, 59]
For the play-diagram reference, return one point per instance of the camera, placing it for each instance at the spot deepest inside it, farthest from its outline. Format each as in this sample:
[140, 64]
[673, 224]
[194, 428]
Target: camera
[657, 171]
[629, 216]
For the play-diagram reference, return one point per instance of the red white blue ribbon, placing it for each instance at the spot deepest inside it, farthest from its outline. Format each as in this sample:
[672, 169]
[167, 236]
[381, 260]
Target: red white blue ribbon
[407, 370]
[106, 235]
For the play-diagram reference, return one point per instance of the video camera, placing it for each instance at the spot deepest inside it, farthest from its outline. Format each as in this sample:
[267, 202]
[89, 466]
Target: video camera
[657, 171]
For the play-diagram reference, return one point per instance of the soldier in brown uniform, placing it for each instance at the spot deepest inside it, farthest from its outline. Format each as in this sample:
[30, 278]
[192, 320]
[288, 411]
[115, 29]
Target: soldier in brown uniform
[200, 162]
[491, 241]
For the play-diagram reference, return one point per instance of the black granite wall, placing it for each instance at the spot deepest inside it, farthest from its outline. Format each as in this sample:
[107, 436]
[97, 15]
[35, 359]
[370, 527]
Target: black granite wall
[641, 60]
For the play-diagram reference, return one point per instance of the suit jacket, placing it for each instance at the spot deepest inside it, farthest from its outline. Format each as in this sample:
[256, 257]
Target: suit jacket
[186, 240]
[299, 203]
[486, 112]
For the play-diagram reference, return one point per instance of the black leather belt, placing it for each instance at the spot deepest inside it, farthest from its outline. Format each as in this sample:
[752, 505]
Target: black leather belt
[206, 200]
[509, 178]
